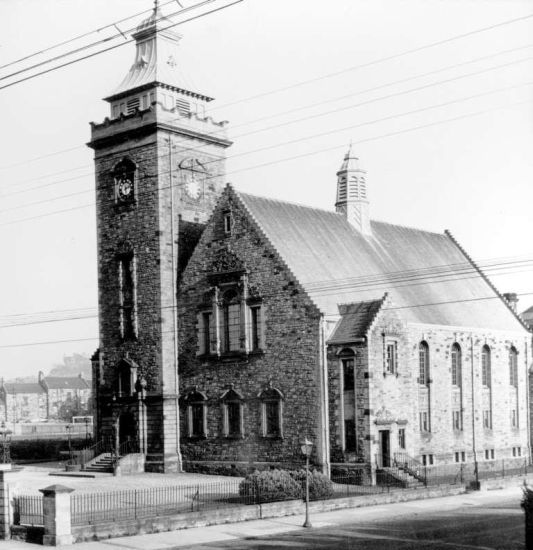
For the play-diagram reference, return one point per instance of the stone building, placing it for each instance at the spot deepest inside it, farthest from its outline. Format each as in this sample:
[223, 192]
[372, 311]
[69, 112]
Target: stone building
[228, 335]
[22, 402]
[159, 170]
[63, 390]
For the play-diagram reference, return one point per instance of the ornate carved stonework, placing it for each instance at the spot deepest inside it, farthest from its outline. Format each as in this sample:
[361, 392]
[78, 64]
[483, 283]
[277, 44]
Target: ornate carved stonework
[384, 416]
[226, 261]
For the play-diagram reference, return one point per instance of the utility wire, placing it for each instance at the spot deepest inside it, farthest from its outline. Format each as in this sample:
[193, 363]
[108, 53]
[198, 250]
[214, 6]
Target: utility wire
[389, 308]
[378, 60]
[80, 36]
[303, 138]
[336, 99]
[101, 41]
[365, 283]
[316, 104]
[88, 56]
[289, 158]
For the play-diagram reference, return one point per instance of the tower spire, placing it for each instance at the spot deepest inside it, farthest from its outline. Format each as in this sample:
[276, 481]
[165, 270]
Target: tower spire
[351, 193]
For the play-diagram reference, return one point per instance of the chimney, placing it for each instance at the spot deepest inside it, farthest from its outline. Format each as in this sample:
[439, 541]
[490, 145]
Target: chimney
[512, 299]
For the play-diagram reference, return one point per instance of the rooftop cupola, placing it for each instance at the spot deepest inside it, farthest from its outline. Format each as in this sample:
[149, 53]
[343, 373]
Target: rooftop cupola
[155, 76]
[351, 193]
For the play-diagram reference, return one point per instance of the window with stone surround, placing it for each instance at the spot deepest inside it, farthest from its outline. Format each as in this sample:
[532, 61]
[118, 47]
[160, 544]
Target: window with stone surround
[457, 420]
[127, 296]
[487, 419]
[230, 322]
[486, 367]
[423, 364]
[391, 357]
[271, 413]
[424, 421]
[456, 365]
[401, 438]
[232, 414]
[196, 402]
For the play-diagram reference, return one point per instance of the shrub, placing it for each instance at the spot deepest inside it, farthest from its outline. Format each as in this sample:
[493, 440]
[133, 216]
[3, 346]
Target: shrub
[270, 485]
[320, 486]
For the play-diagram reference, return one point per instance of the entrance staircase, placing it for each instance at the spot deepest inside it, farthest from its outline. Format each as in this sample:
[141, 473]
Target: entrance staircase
[102, 456]
[102, 464]
[401, 470]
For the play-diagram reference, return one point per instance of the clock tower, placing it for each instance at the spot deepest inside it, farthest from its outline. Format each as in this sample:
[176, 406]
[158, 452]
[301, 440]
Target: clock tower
[159, 170]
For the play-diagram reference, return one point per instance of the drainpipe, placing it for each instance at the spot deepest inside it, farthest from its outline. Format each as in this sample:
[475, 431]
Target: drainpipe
[476, 473]
[323, 367]
[174, 309]
[528, 420]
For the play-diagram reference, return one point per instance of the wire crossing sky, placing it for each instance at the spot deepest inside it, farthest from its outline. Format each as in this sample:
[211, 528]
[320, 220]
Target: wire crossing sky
[435, 96]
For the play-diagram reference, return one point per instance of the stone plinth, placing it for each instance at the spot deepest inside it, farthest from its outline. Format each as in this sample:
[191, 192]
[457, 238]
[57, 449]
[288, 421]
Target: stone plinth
[57, 517]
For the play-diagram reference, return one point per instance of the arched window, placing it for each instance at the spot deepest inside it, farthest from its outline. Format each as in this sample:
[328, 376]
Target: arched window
[456, 366]
[485, 367]
[126, 377]
[231, 321]
[423, 358]
[232, 414]
[197, 414]
[347, 376]
[272, 412]
[513, 367]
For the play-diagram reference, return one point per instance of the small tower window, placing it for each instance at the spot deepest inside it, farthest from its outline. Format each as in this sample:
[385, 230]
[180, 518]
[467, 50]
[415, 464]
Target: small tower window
[227, 223]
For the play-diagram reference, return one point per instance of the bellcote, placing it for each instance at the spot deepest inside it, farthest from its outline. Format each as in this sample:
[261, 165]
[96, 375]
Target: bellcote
[352, 194]
[155, 76]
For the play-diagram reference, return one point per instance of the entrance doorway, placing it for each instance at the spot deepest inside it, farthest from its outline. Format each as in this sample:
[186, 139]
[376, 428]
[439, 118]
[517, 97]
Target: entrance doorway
[127, 433]
[384, 443]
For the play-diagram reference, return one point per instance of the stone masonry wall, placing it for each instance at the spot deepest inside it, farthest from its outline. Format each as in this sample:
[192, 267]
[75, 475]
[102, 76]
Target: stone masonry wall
[149, 227]
[289, 360]
[397, 397]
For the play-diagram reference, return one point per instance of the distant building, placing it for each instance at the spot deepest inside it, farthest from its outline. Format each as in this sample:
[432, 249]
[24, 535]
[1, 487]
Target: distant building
[22, 402]
[527, 316]
[42, 400]
[65, 389]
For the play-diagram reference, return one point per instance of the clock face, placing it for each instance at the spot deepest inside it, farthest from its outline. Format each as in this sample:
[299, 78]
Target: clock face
[192, 185]
[193, 175]
[124, 188]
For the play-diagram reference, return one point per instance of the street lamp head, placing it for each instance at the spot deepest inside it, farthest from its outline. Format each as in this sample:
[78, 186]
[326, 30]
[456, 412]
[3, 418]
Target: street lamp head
[306, 447]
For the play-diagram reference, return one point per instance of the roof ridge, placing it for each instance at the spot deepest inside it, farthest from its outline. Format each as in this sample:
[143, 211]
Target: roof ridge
[316, 208]
[485, 278]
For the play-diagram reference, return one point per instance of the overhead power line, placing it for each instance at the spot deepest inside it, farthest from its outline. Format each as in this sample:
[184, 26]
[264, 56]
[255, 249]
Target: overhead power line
[316, 104]
[88, 56]
[379, 60]
[80, 36]
[298, 139]
[435, 274]
[294, 157]
[389, 308]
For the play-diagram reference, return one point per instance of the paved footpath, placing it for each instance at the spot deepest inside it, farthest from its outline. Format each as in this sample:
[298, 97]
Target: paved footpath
[260, 533]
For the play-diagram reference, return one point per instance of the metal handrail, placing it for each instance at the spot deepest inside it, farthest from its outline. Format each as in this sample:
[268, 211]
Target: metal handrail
[104, 445]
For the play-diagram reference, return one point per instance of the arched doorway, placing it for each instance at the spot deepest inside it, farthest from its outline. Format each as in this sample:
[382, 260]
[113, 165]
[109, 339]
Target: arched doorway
[127, 433]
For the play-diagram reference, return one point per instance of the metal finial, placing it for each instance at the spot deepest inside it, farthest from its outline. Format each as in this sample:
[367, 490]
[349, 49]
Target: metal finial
[156, 5]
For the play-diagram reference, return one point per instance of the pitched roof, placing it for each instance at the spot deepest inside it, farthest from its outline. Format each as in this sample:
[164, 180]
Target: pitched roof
[430, 279]
[355, 321]
[66, 382]
[23, 387]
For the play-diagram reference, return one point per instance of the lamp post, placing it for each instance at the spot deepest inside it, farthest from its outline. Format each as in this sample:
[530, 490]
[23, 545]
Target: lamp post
[307, 447]
[86, 430]
[68, 428]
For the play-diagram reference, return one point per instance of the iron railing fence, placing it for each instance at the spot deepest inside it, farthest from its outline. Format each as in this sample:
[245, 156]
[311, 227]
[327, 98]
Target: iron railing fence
[28, 509]
[91, 508]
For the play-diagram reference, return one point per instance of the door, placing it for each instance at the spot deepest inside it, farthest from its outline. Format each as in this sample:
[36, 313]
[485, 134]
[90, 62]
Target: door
[127, 433]
[384, 441]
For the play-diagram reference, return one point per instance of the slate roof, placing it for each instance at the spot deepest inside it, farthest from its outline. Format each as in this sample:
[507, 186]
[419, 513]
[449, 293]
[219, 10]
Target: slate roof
[355, 321]
[429, 278]
[66, 383]
[23, 387]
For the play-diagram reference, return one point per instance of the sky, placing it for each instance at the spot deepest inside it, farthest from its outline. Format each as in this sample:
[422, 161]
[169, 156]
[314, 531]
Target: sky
[438, 111]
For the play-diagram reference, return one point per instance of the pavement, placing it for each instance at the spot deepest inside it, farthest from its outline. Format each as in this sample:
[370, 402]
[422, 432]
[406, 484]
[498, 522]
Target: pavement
[477, 520]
